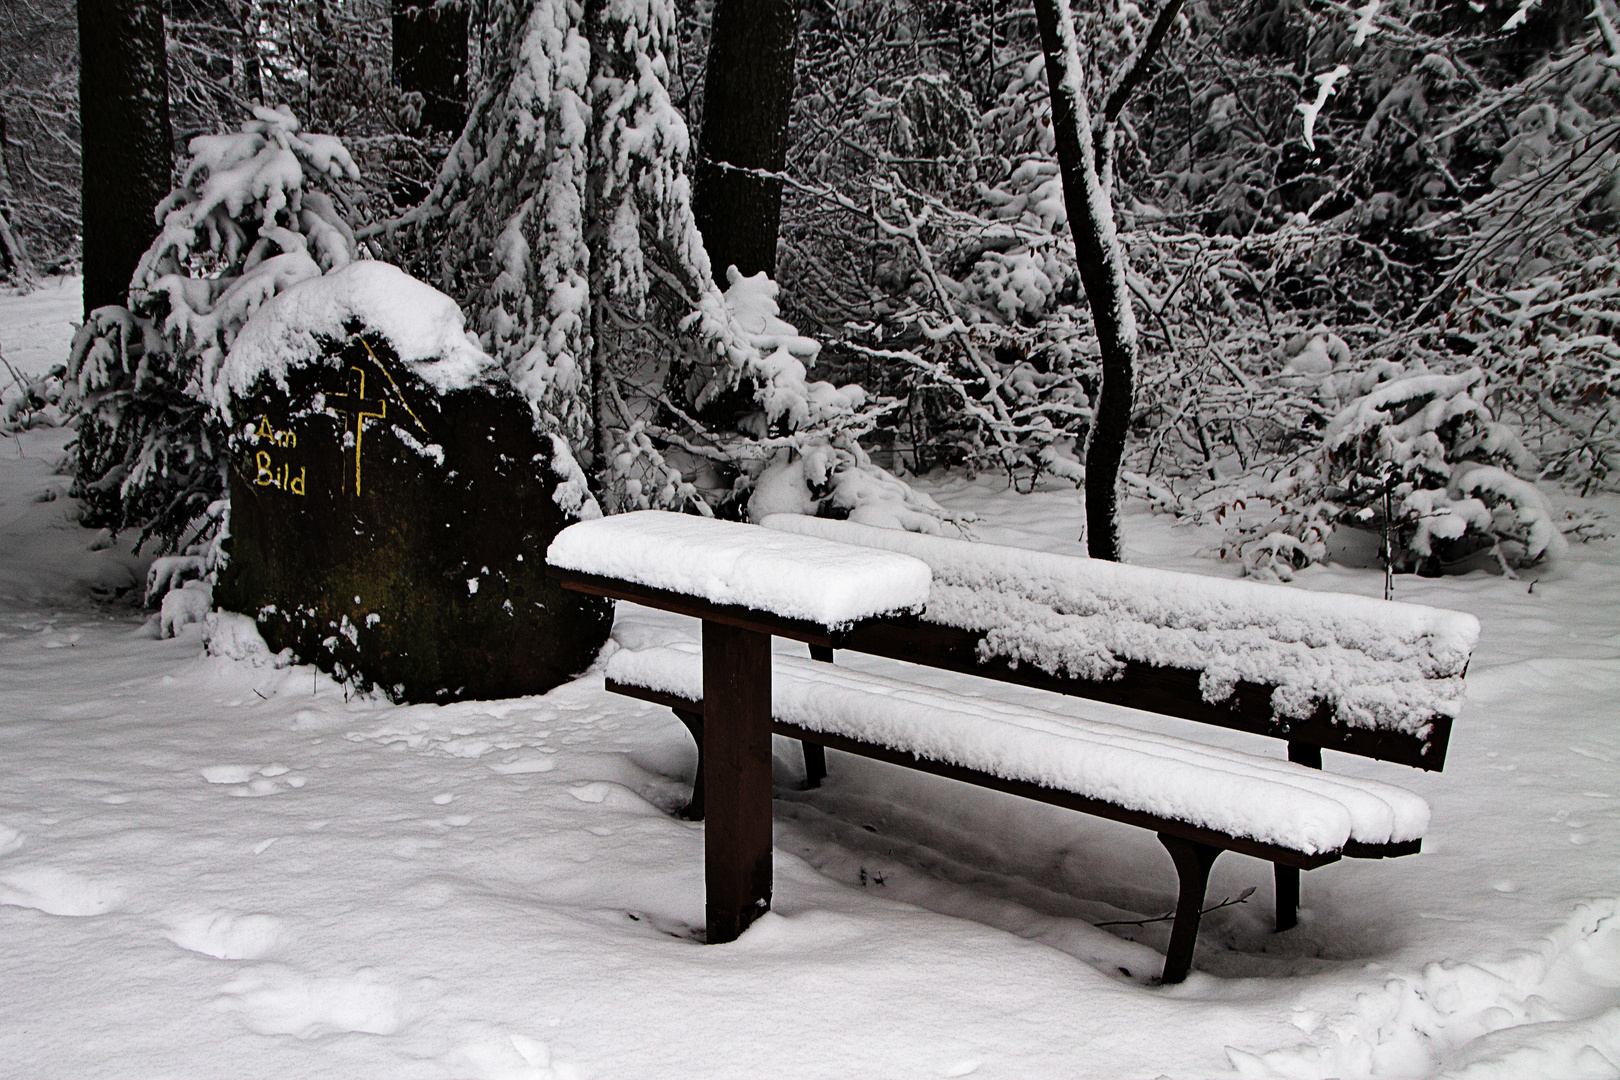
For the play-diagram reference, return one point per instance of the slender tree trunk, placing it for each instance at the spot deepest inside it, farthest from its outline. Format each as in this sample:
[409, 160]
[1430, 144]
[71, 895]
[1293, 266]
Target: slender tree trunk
[747, 95]
[13, 249]
[430, 58]
[124, 137]
[1101, 262]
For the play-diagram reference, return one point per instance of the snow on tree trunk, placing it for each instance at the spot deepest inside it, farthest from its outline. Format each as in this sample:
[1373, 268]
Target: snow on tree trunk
[747, 94]
[1101, 261]
[125, 139]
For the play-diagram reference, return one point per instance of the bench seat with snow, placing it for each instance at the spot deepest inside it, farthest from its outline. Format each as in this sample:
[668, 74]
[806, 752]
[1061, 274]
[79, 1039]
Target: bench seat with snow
[1367, 677]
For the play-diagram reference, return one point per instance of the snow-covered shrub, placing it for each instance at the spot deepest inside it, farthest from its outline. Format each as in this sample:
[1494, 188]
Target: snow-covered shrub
[795, 443]
[236, 637]
[256, 211]
[32, 400]
[1422, 457]
[169, 572]
[1415, 458]
[823, 480]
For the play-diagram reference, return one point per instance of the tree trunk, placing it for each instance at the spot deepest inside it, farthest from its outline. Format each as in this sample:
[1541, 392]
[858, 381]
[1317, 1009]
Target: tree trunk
[13, 249]
[1102, 272]
[430, 58]
[125, 139]
[747, 94]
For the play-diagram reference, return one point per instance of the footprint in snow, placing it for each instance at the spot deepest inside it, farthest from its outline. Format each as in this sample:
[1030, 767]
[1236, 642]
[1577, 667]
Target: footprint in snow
[10, 840]
[524, 764]
[274, 1000]
[514, 1057]
[256, 780]
[57, 892]
[229, 774]
[613, 797]
[225, 936]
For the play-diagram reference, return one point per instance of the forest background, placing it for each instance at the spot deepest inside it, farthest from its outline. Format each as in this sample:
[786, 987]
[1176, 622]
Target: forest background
[1370, 250]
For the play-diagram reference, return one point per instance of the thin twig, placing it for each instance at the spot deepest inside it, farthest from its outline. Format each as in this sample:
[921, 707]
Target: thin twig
[1242, 898]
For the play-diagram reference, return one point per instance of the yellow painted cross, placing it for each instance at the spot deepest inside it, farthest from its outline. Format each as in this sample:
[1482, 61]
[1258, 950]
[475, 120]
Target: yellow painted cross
[353, 407]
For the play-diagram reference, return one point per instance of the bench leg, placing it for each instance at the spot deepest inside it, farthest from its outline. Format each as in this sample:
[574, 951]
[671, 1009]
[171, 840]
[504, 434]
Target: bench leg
[1193, 861]
[815, 765]
[1287, 877]
[736, 778]
[693, 810]
[815, 757]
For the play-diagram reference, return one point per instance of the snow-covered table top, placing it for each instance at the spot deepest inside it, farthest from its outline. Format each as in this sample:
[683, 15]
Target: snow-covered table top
[1379, 665]
[829, 584]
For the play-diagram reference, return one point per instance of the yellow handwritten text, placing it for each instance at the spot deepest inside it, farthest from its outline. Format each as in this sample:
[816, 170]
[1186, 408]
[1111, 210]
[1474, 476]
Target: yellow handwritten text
[269, 475]
[289, 439]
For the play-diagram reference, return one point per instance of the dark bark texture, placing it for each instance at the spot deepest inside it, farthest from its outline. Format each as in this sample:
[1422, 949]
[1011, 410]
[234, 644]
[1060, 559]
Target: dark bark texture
[124, 137]
[1102, 273]
[430, 58]
[747, 93]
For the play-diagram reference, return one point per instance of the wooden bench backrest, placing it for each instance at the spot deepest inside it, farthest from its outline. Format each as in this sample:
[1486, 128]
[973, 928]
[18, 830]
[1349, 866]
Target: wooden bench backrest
[1169, 691]
[1166, 691]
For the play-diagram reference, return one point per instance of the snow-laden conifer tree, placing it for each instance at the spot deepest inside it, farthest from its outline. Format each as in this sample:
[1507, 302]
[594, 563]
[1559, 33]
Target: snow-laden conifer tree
[257, 210]
[562, 221]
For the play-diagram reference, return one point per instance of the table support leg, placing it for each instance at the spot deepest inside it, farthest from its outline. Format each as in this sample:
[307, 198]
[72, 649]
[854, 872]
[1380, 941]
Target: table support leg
[815, 757]
[736, 778]
[693, 810]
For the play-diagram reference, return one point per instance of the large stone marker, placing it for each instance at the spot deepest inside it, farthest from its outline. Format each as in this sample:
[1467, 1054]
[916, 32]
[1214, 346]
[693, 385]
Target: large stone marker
[391, 501]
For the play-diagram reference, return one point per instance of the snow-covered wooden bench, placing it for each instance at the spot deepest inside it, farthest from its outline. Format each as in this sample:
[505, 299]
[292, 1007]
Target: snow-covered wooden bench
[1378, 679]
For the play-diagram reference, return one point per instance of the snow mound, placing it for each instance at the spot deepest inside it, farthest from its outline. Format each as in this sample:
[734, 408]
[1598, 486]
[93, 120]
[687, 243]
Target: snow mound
[1380, 664]
[424, 326]
[236, 637]
[727, 562]
[189, 604]
[1544, 1013]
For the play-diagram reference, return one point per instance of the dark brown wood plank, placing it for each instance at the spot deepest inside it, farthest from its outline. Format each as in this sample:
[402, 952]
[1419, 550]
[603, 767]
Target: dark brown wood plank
[1023, 789]
[1167, 691]
[1357, 850]
[656, 697]
[736, 764]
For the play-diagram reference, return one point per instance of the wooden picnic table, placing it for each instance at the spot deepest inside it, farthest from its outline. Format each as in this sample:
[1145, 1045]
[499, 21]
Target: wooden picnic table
[793, 574]
[990, 612]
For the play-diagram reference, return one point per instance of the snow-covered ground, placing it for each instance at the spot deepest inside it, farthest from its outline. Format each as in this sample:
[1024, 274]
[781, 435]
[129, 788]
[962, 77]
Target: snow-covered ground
[35, 330]
[212, 868]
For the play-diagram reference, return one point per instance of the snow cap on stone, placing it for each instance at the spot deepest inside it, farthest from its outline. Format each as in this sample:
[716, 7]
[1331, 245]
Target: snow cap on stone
[422, 324]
